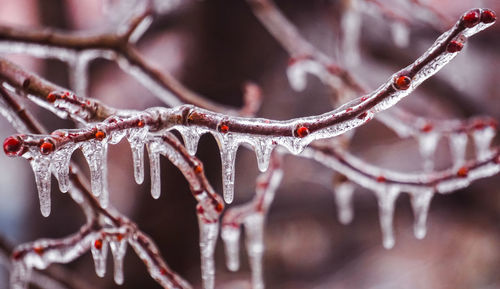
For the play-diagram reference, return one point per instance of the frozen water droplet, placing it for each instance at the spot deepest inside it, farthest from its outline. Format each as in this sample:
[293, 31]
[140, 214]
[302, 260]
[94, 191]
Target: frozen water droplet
[116, 136]
[60, 165]
[427, 143]
[99, 249]
[154, 165]
[458, 146]
[191, 136]
[228, 147]
[137, 137]
[294, 144]
[231, 237]
[208, 239]
[482, 141]
[343, 198]
[386, 199]
[263, 149]
[41, 167]
[254, 237]
[95, 153]
[118, 249]
[420, 202]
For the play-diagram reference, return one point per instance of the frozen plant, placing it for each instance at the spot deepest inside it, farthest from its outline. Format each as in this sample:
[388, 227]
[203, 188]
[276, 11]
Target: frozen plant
[324, 138]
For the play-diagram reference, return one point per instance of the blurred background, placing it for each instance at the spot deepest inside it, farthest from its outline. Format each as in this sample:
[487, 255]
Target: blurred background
[214, 47]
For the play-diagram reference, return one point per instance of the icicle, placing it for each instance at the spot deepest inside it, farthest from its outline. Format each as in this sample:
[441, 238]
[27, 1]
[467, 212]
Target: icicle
[400, 34]
[154, 165]
[458, 147]
[351, 31]
[420, 202]
[208, 239]
[41, 167]
[191, 136]
[427, 145]
[386, 199]
[99, 251]
[254, 236]
[118, 249]
[263, 149]
[228, 147]
[95, 153]
[136, 138]
[482, 140]
[116, 136]
[294, 144]
[60, 165]
[231, 237]
[343, 198]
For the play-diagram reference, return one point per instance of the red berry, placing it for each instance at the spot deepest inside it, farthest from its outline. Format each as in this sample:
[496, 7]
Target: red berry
[427, 127]
[198, 169]
[100, 135]
[52, 97]
[46, 147]
[98, 244]
[13, 146]
[223, 128]
[38, 250]
[403, 82]
[381, 179]
[17, 255]
[454, 46]
[302, 131]
[488, 16]
[219, 207]
[471, 18]
[140, 123]
[463, 172]
[119, 237]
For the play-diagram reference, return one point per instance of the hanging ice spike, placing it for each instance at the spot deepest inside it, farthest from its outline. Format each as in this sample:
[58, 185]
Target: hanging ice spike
[41, 167]
[95, 153]
[263, 149]
[228, 147]
[386, 199]
[191, 136]
[118, 249]
[427, 145]
[420, 202]
[136, 137]
[154, 165]
[343, 198]
[99, 249]
[231, 237]
[60, 165]
[254, 236]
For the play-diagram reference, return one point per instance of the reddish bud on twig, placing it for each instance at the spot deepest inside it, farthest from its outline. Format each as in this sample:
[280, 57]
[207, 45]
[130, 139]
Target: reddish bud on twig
[471, 19]
[402, 82]
[302, 131]
[488, 16]
[100, 135]
[13, 146]
[463, 172]
[454, 46]
[98, 244]
[46, 147]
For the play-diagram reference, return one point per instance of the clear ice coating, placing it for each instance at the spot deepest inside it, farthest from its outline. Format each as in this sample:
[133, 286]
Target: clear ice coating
[154, 165]
[95, 152]
[386, 198]
[482, 140]
[41, 167]
[263, 148]
[191, 136]
[420, 203]
[137, 138]
[343, 198]
[231, 237]
[118, 250]
[458, 147]
[99, 254]
[60, 165]
[20, 275]
[208, 239]
[254, 237]
[427, 143]
[228, 145]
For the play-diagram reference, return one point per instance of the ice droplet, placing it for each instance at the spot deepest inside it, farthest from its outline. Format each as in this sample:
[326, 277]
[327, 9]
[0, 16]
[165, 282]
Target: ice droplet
[482, 141]
[60, 165]
[41, 167]
[228, 147]
[191, 136]
[458, 146]
[208, 239]
[263, 149]
[99, 254]
[154, 165]
[427, 144]
[343, 198]
[137, 137]
[231, 237]
[254, 237]
[95, 153]
[420, 202]
[386, 198]
[118, 249]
